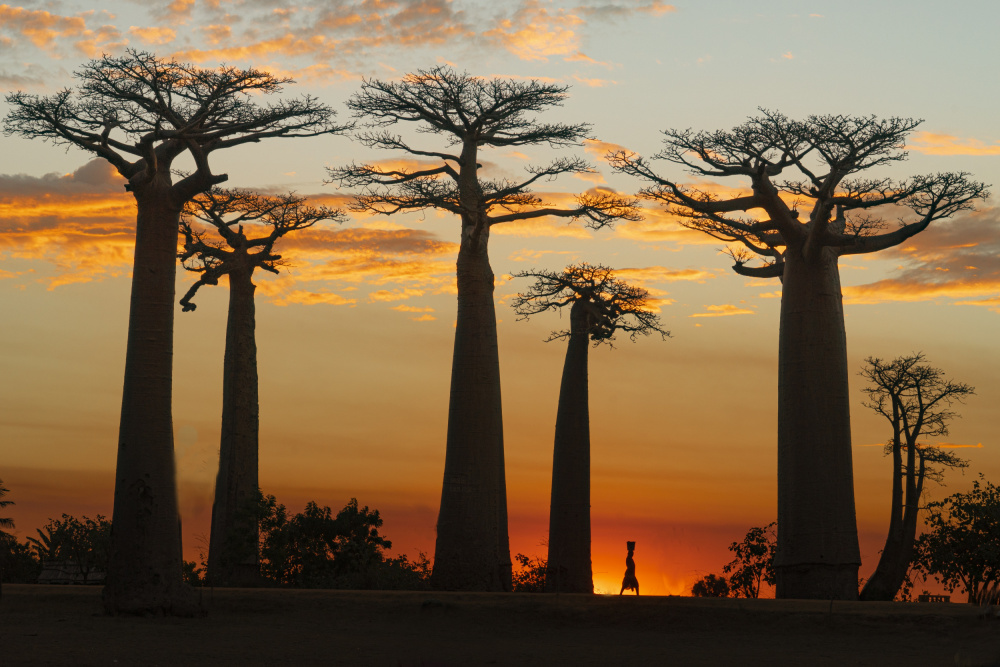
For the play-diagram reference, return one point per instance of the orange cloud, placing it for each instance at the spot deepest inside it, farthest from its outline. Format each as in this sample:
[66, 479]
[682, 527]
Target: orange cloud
[154, 35]
[82, 223]
[412, 309]
[526, 255]
[41, 28]
[595, 83]
[661, 274]
[535, 33]
[600, 149]
[395, 295]
[307, 298]
[723, 311]
[955, 259]
[581, 57]
[931, 143]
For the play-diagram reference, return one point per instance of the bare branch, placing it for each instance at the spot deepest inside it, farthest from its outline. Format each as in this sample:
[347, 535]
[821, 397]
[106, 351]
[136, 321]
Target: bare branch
[611, 304]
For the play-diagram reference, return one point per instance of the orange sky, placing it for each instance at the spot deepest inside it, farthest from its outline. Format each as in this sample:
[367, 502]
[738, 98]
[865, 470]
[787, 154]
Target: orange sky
[355, 337]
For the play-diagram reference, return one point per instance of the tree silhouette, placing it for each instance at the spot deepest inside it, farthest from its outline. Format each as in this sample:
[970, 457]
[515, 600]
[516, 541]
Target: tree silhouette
[84, 541]
[141, 113]
[818, 555]
[710, 586]
[236, 215]
[753, 562]
[600, 306]
[472, 551]
[962, 545]
[6, 523]
[915, 398]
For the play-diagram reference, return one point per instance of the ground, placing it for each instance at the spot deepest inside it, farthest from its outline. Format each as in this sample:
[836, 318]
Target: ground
[64, 625]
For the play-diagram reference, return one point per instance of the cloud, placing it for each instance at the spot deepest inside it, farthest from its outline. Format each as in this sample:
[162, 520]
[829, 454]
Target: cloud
[600, 149]
[529, 255]
[154, 35]
[595, 83]
[412, 309]
[658, 226]
[395, 295]
[43, 29]
[584, 58]
[723, 311]
[82, 223]
[931, 143]
[955, 259]
[306, 298]
[661, 274]
[535, 33]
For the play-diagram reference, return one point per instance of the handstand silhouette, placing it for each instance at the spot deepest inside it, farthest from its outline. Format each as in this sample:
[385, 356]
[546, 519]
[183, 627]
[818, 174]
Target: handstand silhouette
[629, 581]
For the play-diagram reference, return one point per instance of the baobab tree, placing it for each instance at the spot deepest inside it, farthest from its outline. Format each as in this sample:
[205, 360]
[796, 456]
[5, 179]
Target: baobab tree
[236, 215]
[915, 398]
[141, 113]
[472, 551]
[600, 306]
[818, 555]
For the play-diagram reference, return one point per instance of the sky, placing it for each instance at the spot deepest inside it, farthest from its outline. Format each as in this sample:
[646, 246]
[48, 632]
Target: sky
[355, 336]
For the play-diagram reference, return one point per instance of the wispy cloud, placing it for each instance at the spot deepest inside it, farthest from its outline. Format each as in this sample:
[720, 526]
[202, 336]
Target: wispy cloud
[723, 310]
[956, 259]
[931, 143]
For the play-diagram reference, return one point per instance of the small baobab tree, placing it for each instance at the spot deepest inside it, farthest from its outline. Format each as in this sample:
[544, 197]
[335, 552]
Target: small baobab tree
[825, 157]
[600, 306]
[916, 399]
[470, 114]
[141, 113]
[247, 226]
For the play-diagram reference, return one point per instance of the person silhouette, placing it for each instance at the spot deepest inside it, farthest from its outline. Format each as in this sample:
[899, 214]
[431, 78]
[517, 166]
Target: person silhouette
[629, 581]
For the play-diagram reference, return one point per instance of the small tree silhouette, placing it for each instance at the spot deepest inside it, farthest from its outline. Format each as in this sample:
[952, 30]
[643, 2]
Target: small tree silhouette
[6, 523]
[710, 586]
[753, 562]
[824, 157]
[915, 398]
[237, 252]
[961, 547]
[140, 113]
[600, 306]
[472, 551]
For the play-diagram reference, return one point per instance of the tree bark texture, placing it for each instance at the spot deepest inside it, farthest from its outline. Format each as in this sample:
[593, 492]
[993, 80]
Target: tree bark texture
[818, 554]
[569, 564]
[144, 569]
[232, 553]
[472, 549]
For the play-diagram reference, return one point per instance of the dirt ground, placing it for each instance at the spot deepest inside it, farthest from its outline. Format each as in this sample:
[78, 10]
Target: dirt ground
[64, 625]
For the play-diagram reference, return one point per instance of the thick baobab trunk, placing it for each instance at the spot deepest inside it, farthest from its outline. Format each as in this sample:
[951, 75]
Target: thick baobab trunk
[144, 569]
[818, 554]
[569, 565]
[472, 550]
[232, 553]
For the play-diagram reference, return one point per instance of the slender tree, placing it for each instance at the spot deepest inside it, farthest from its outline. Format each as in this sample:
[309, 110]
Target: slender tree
[818, 555]
[141, 113]
[6, 523]
[236, 252]
[600, 306]
[470, 113]
[916, 399]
